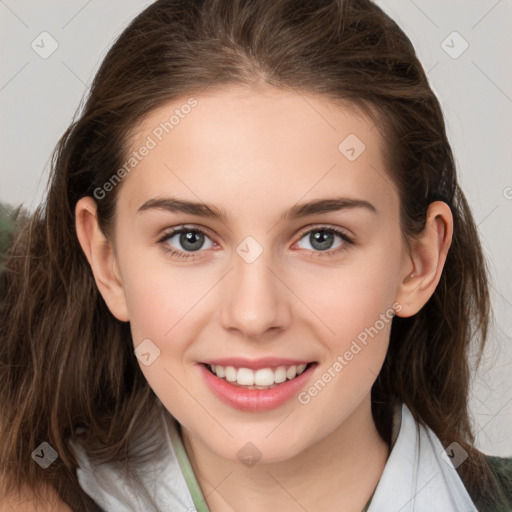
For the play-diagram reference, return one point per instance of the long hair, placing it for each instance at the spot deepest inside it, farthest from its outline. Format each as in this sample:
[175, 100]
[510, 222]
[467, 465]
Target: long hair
[67, 368]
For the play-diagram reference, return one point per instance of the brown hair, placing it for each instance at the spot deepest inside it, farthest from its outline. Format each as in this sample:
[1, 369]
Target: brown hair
[55, 372]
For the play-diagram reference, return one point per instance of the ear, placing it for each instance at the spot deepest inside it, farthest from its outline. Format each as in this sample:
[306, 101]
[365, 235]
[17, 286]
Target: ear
[100, 254]
[425, 261]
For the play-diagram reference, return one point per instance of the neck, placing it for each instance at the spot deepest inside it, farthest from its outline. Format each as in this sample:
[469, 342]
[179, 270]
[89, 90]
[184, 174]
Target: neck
[341, 471]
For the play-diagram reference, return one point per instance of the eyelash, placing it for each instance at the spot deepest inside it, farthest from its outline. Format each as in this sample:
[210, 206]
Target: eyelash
[192, 255]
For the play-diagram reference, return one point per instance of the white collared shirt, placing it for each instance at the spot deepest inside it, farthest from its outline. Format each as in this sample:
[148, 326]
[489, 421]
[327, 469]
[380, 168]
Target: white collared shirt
[418, 476]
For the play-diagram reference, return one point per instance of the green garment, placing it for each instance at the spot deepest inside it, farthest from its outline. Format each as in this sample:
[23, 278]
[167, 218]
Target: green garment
[502, 470]
[186, 469]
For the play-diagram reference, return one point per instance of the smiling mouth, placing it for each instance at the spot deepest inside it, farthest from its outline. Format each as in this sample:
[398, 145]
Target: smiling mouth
[263, 378]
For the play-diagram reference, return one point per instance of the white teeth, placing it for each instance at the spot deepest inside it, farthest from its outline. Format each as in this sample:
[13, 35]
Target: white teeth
[245, 377]
[280, 375]
[230, 373]
[262, 378]
[291, 372]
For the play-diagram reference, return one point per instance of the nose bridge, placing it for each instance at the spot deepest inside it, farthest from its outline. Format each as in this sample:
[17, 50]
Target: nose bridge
[255, 302]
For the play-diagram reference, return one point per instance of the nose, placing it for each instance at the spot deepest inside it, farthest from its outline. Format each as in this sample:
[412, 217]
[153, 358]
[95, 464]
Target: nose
[256, 300]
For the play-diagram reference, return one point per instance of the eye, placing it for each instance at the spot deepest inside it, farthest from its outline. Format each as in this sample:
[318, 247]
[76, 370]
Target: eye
[321, 240]
[184, 240]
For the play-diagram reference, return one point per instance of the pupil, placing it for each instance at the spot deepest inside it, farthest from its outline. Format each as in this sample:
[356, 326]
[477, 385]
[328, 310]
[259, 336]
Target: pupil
[189, 238]
[321, 240]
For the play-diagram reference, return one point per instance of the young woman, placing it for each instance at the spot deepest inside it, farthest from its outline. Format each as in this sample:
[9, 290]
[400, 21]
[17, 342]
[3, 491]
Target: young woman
[254, 282]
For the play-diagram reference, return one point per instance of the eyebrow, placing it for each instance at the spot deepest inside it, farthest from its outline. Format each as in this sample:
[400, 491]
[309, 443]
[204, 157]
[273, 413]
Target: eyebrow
[319, 206]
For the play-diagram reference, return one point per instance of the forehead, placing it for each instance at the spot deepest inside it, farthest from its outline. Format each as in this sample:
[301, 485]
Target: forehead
[244, 143]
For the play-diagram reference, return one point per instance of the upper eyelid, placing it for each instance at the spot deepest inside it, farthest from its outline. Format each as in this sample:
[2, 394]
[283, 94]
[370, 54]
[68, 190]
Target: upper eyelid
[307, 229]
[171, 232]
[327, 227]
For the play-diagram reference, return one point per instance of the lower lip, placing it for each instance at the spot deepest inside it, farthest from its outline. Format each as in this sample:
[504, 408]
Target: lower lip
[255, 400]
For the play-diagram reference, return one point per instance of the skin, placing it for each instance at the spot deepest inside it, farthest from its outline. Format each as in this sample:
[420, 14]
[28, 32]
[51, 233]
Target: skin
[256, 152]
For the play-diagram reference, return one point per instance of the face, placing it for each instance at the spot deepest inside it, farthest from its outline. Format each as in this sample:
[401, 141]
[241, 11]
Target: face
[267, 281]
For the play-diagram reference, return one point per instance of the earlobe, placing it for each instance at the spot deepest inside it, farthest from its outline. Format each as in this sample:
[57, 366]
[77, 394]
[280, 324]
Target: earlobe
[425, 261]
[101, 257]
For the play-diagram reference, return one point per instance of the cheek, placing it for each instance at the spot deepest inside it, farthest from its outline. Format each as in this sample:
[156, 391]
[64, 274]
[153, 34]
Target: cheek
[162, 303]
[160, 295]
[353, 296]
[357, 308]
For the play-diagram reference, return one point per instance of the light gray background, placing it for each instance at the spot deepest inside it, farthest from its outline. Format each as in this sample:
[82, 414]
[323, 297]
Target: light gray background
[39, 96]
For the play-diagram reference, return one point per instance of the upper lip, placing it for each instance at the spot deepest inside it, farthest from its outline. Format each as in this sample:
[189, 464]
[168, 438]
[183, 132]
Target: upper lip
[255, 364]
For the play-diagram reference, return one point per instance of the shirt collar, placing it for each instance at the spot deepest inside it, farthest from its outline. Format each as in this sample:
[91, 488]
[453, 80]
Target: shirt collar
[418, 475]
